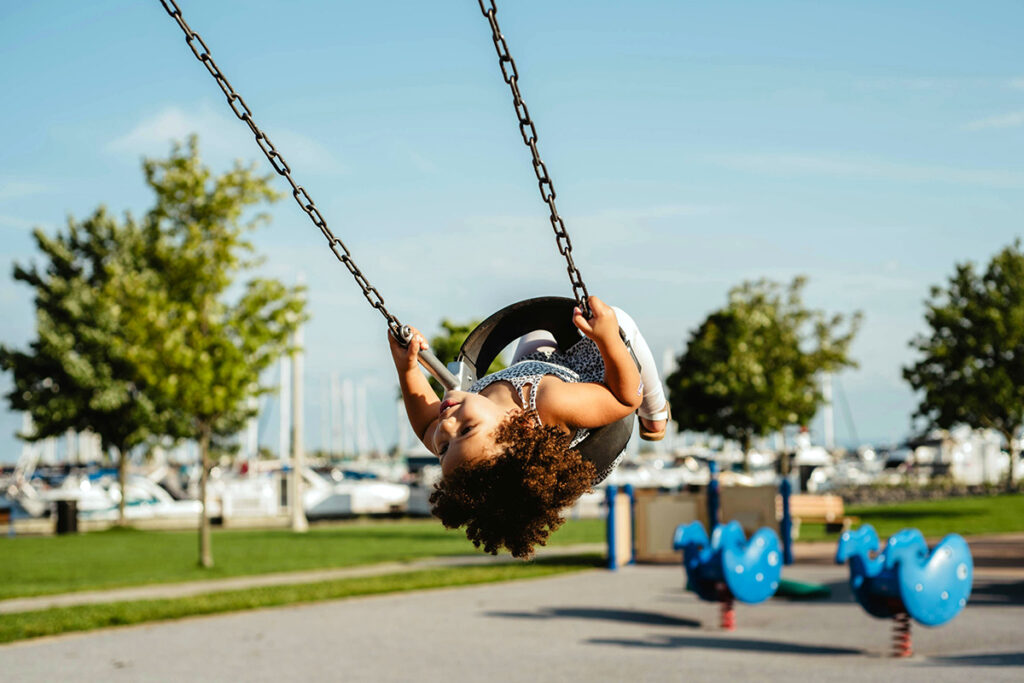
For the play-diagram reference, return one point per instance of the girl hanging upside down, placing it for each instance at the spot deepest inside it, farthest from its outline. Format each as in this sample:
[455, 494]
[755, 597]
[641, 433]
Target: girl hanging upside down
[507, 446]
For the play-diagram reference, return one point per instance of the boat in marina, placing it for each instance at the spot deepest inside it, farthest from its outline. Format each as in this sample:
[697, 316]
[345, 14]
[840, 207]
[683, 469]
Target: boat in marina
[327, 498]
[144, 500]
[97, 496]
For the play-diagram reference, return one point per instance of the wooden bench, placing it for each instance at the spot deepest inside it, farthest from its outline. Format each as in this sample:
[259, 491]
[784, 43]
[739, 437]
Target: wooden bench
[826, 509]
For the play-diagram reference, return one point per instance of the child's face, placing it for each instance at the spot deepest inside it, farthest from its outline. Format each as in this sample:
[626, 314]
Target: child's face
[464, 431]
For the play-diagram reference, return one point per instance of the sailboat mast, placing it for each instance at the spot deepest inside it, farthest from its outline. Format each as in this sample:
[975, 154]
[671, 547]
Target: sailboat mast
[829, 412]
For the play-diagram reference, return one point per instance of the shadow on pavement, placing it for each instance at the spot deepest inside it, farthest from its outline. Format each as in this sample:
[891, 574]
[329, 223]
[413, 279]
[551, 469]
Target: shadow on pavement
[594, 560]
[998, 593]
[994, 561]
[581, 560]
[1005, 552]
[839, 592]
[726, 643]
[627, 616]
[994, 659]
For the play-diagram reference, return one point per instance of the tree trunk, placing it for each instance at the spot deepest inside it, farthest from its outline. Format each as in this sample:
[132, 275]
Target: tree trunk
[1014, 448]
[122, 478]
[205, 549]
[745, 444]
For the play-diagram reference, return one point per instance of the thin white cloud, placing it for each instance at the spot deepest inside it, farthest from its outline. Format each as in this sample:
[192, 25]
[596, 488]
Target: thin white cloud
[1011, 120]
[789, 164]
[221, 136]
[650, 213]
[846, 290]
[656, 278]
[936, 83]
[422, 164]
[302, 152]
[17, 189]
[603, 226]
[417, 161]
[15, 223]
[496, 248]
[865, 284]
[152, 135]
[918, 83]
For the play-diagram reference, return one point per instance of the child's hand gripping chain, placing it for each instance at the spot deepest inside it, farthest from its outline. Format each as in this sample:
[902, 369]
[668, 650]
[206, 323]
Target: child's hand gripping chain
[602, 327]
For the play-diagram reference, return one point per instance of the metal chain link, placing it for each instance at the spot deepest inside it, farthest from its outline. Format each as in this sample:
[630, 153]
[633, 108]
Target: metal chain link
[242, 111]
[529, 132]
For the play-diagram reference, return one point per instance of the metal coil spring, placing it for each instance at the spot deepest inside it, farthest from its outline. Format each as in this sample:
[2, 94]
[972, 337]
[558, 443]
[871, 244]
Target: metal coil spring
[901, 641]
[728, 614]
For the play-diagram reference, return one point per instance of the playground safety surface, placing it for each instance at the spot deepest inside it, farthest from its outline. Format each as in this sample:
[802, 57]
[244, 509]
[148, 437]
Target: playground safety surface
[634, 624]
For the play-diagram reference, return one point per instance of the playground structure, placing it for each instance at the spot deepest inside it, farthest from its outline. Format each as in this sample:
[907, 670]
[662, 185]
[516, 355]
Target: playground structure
[722, 568]
[902, 581]
[642, 522]
[620, 530]
[659, 512]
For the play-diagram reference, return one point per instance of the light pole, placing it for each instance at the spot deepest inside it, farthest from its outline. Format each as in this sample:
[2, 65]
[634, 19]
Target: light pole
[299, 522]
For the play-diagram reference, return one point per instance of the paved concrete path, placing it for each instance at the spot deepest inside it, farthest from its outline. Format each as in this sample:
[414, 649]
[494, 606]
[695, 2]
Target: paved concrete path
[179, 590]
[636, 624]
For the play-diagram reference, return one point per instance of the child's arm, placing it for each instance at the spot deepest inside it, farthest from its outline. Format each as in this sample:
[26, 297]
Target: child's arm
[592, 404]
[421, 403]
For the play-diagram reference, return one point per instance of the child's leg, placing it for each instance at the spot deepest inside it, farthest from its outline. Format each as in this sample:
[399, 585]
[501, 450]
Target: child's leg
[654, 394]
[538, 340]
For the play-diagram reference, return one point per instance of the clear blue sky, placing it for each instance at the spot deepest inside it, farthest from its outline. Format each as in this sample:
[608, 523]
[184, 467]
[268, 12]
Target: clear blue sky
[867, 145]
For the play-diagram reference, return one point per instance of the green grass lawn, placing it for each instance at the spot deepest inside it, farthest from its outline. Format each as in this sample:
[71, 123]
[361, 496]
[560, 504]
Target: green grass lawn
[123, 557]
[116, 558]
[87, 617]
[982, 515]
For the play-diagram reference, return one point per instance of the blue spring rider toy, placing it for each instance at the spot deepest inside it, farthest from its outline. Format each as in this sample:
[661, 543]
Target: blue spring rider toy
[902, 580]
[728, 567]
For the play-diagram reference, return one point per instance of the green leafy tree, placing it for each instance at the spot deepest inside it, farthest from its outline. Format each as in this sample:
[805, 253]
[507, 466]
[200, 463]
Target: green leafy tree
[82, 372]
[752, 367]
[210, 335]
[446, 346]
[144, 330]
[971, 369]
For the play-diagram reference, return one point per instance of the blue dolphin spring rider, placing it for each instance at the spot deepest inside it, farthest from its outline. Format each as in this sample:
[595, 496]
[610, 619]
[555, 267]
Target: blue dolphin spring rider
[726, 567]
[902, 580]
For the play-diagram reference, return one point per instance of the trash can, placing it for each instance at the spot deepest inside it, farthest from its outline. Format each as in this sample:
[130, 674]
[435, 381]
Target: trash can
[67, 517]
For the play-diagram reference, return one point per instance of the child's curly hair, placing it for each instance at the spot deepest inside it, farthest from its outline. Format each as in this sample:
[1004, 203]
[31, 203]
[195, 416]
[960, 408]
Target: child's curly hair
[515, 499]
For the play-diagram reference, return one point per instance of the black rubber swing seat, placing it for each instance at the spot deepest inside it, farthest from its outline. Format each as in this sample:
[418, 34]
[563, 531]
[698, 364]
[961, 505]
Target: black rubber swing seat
[603, 445]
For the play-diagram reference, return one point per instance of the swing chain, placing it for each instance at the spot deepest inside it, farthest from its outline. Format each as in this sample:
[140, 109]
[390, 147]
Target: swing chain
[242, 111]
[528, 130]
